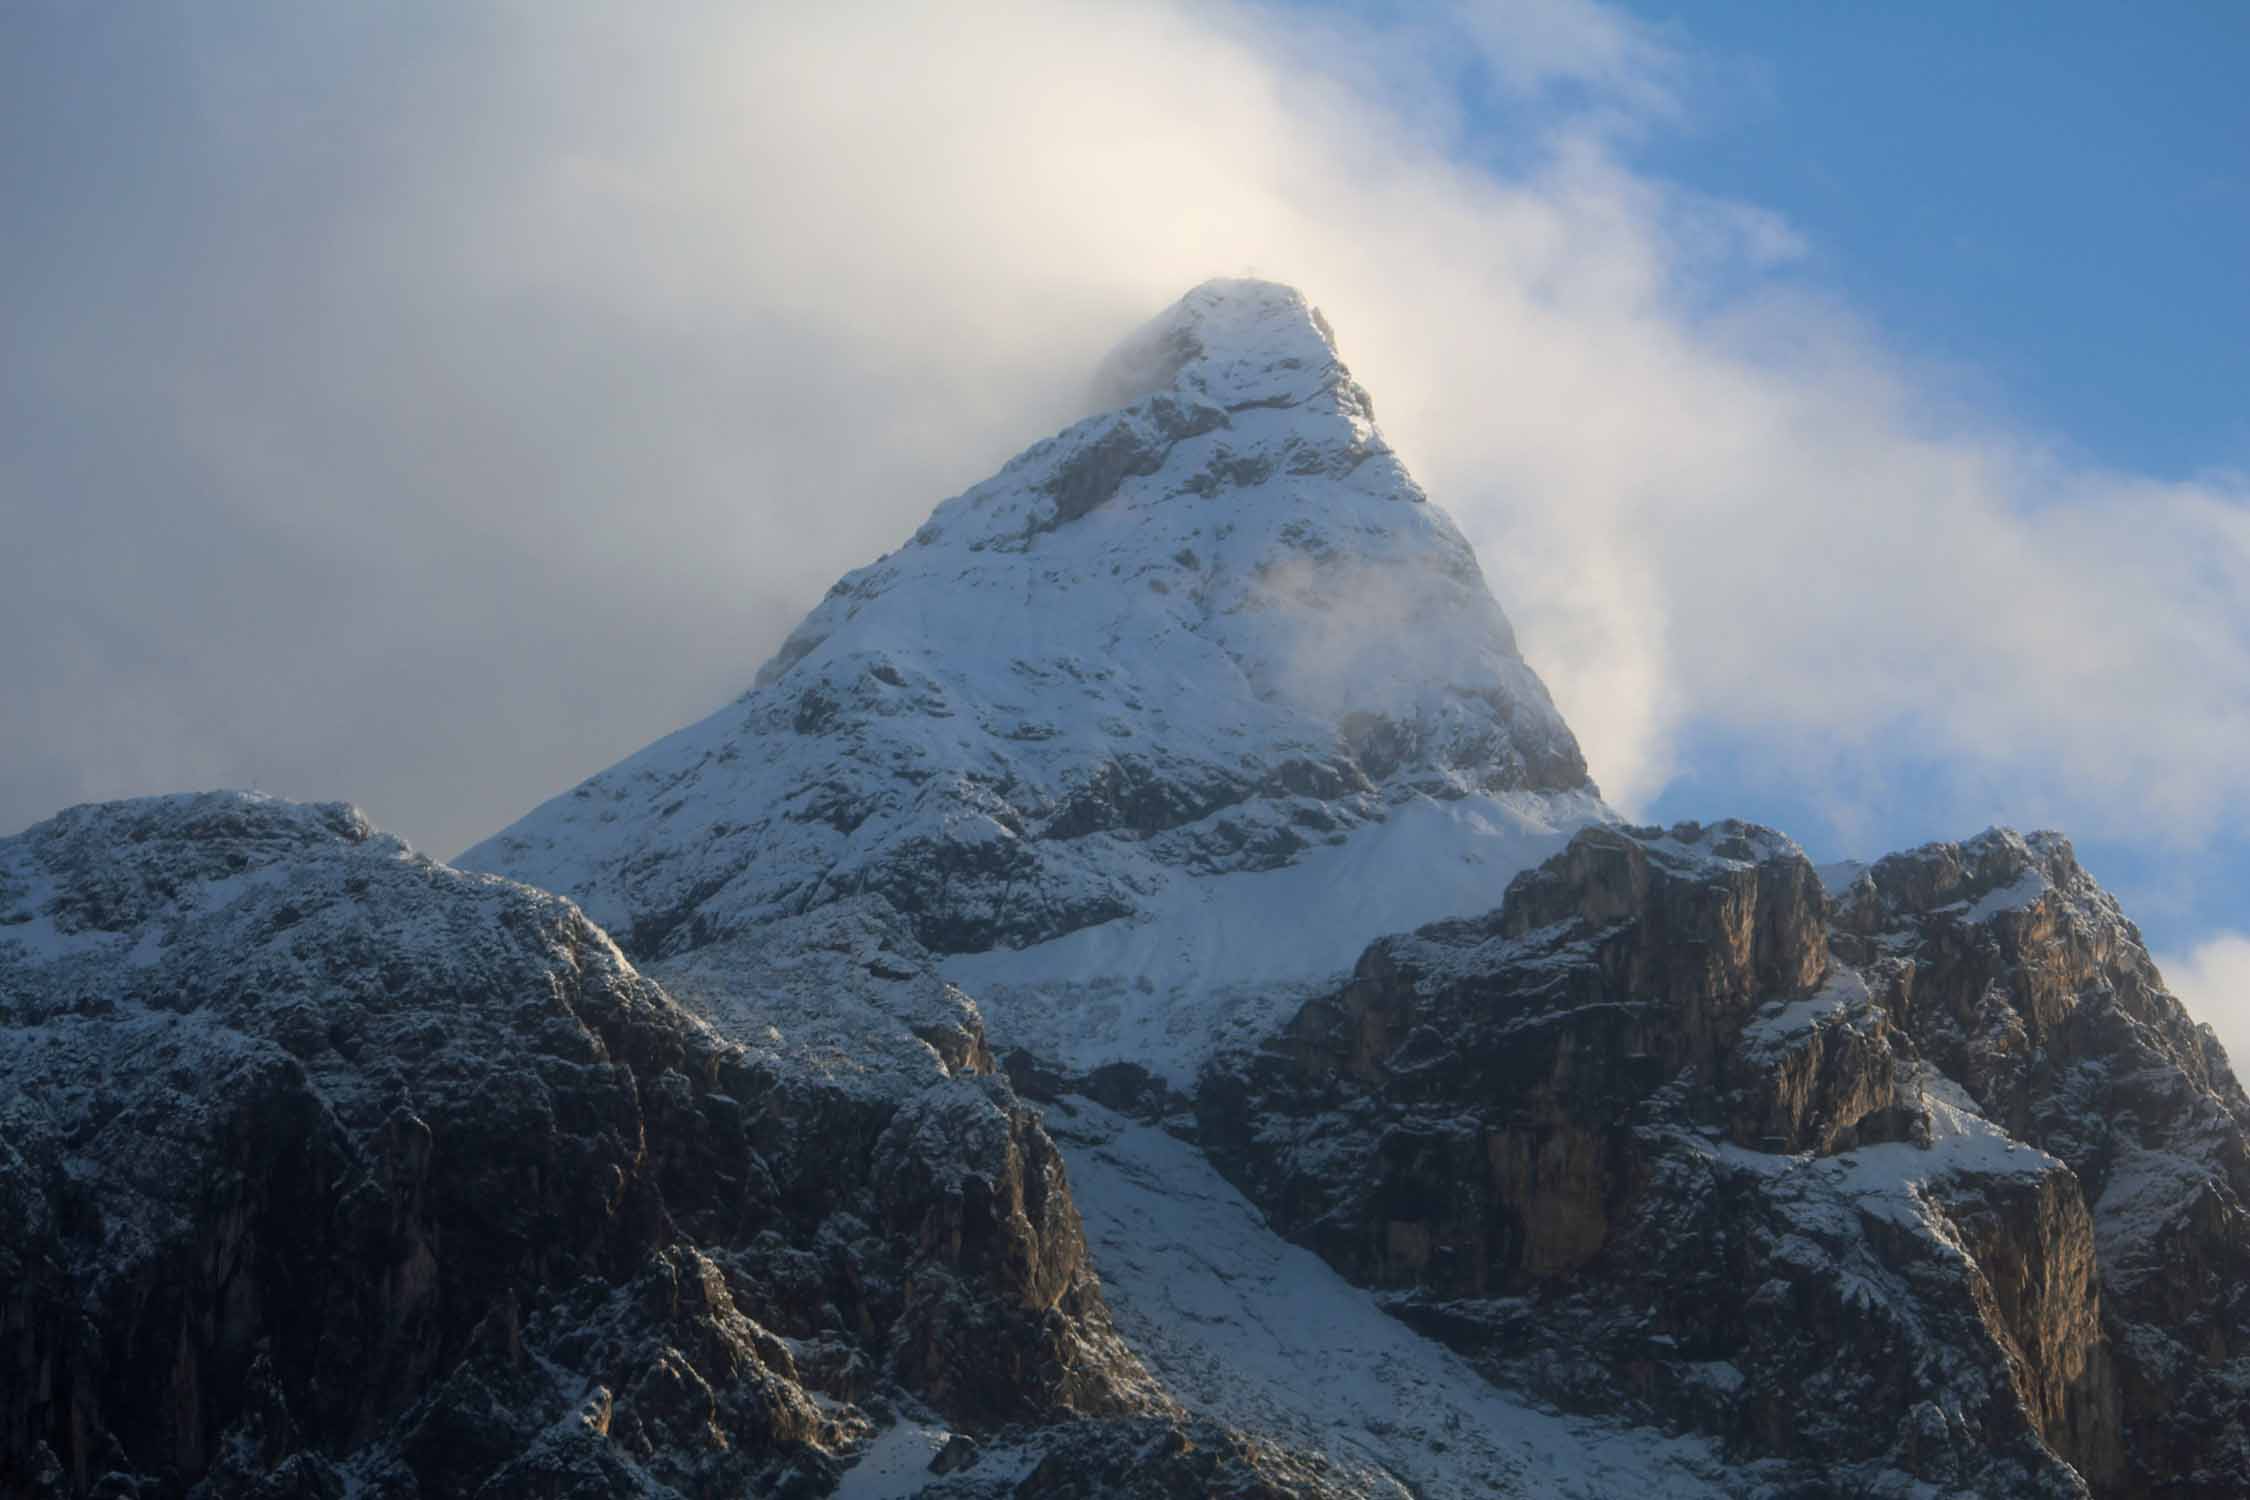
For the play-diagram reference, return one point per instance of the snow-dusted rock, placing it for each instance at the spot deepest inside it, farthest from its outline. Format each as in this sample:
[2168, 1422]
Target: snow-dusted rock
[2016, 974]
[1215, 629]
[322, 1164]
[1646, 1141]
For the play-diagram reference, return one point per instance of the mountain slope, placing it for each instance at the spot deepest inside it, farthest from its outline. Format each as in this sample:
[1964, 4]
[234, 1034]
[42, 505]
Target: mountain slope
[1164, 740]
[1212, 633]
[323, 1165]
[1923, 1181]
[1418, 1127]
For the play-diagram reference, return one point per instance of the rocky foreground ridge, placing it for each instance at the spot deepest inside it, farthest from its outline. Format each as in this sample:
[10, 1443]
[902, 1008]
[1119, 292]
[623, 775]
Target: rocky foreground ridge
[313, 1150]
[1920, 1180]
[1139, 998]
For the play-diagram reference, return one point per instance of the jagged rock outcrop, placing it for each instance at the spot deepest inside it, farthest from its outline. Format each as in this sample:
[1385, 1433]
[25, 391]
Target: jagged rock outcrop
[315, 1153]
[1610, 971]
[2018, 976]
[1646, 1141]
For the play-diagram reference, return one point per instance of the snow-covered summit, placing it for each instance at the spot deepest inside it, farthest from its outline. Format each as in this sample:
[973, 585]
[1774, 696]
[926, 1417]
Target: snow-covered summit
[1213, 631]
[109, 878]
[1235, 343]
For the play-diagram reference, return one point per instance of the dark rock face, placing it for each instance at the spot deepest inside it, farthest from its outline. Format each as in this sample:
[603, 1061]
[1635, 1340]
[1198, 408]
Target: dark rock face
[315, 1152]
[1134, 444]
[1610, 971]
[1932, 1183]
[2015, 973]
[1001, 1319]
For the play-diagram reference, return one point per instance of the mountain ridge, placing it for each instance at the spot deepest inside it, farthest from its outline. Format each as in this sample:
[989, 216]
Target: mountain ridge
[1139, 997]
[1204, 632]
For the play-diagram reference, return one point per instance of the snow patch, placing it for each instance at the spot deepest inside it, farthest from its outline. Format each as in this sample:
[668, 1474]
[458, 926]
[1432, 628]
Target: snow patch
[1223, 960]
[895, 1464]
[1260, 1334]
[1842, 993]
[2023, 891]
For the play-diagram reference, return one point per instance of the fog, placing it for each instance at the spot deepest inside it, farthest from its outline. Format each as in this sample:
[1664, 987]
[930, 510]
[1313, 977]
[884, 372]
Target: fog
[428, 406]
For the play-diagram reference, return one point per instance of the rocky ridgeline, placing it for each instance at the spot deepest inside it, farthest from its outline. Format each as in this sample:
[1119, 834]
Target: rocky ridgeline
[1926, 1181]
[327, 1169]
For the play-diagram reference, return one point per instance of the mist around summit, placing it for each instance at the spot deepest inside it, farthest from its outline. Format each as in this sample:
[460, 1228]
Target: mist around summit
[1583, 870]
[555, 367]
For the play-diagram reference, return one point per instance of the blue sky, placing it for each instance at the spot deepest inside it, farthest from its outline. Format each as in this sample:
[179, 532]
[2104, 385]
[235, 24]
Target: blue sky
[2045, 212]
[429, 406]
[2057, 196]
[2054, 200]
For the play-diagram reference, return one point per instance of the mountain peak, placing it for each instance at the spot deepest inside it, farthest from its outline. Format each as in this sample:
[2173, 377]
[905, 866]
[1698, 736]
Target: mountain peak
[1205, 650]
[1233, 341]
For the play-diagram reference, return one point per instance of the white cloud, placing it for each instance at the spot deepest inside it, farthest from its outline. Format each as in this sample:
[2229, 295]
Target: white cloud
[2213, 981]
[521, 373]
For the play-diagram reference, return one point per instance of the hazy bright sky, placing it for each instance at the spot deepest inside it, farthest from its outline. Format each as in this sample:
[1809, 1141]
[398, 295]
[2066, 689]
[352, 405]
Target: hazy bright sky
[427, 405]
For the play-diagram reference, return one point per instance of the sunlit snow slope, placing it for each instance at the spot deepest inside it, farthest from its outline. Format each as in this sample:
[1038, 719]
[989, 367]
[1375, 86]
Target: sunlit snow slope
[1199, 663]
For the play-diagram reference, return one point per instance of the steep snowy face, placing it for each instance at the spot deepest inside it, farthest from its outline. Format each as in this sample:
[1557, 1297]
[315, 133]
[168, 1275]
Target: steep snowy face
[1216, 629]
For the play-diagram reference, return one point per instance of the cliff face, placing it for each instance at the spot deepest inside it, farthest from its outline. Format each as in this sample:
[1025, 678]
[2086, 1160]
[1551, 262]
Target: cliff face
[315, 1149]
[1927, 1178]
[2016, 974]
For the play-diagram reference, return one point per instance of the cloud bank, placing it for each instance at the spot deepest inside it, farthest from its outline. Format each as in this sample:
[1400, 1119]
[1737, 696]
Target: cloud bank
[430, 406]
[2213, 981]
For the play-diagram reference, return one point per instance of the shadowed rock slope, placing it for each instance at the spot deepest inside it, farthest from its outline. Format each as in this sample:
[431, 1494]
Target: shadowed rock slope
[325, 1168]
[1923, 1181]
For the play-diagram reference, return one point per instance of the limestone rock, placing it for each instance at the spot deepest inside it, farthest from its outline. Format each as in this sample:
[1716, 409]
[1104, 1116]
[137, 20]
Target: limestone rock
[318, 1153]
[1926, 1180]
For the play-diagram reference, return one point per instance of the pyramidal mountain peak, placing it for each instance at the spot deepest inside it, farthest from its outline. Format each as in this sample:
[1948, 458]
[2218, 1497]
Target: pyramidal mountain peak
[1211, 632]
[1141, 998]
